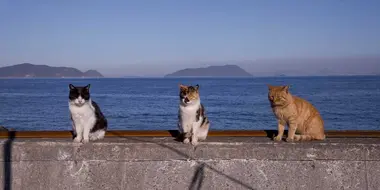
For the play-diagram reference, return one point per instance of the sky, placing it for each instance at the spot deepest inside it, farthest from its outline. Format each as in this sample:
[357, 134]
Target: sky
[137, 37]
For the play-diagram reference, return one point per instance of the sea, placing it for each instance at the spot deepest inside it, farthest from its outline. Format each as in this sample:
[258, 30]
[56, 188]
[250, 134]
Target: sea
[345, 102]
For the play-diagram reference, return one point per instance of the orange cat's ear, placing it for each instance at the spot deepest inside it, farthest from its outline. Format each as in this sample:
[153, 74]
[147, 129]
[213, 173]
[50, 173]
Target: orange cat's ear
[286, 88]
[269, 86]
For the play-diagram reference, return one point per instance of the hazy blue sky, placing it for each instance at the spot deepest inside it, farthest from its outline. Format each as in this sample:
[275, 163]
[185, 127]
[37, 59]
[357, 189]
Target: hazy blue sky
[111, 35]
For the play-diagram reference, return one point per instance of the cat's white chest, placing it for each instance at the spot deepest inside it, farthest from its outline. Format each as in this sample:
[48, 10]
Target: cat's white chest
[188, 114]
[82, 113]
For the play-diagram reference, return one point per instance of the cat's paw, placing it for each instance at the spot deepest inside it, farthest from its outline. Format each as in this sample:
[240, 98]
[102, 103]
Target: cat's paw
[86, 140]
[93, 138]
[186, 140]
[194, 143]
[289, 139]
[277, 138]
[77, 140]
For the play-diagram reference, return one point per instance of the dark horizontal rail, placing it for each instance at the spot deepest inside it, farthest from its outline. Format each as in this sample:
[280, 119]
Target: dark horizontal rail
[174, 133]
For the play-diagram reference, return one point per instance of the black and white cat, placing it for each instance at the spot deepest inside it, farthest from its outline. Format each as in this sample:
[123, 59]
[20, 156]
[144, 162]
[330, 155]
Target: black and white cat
[89, 122]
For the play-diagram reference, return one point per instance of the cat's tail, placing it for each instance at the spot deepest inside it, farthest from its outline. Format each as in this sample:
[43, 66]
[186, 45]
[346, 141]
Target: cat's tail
[307, 137]
[97, 135]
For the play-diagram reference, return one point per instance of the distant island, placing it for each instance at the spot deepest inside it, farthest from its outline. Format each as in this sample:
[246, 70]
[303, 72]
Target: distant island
[280, 75]
[212, 71]
[27, 70]
[131, 76]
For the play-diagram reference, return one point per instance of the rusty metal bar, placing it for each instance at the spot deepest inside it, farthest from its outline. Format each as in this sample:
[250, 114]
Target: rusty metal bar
[174, 133]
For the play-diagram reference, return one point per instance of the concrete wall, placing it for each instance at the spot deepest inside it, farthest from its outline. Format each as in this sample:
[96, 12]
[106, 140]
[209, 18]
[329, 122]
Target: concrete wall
[162, 163]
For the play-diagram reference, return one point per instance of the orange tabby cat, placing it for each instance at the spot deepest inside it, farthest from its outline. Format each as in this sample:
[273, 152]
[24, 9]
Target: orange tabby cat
[300, 116]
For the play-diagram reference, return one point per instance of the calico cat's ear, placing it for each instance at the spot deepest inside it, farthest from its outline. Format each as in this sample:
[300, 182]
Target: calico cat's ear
[286, 88]
[71, 87]
[182, 86]
[87, 87]
[197, 87]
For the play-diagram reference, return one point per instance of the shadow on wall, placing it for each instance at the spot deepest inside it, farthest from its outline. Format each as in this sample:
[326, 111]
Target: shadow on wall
[7, 152]
[196, 182]
[197, 179]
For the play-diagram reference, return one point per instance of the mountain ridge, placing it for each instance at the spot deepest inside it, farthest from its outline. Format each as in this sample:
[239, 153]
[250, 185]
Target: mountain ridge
[28, 70]
[227, 70]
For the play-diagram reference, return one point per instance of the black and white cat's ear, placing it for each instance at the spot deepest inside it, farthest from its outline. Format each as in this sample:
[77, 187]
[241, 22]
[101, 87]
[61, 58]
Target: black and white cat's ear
[87, 87]
[197, 86]
[71, 87]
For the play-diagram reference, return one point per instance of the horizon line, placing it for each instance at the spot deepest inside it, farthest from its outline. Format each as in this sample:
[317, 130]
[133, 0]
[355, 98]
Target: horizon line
[208, 77]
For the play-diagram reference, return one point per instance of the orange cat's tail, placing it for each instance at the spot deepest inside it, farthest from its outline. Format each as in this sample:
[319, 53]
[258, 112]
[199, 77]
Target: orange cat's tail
[307, 138]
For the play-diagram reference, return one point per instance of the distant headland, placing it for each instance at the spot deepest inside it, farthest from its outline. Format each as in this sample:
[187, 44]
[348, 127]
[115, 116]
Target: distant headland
[212, 71]
[27, 70]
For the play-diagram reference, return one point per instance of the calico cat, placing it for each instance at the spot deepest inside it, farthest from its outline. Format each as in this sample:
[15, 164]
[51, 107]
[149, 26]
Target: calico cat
[300, 115]
[193, 123]
[88, 121]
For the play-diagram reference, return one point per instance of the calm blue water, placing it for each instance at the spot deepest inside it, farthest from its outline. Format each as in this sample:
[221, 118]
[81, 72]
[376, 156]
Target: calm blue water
[143, 104]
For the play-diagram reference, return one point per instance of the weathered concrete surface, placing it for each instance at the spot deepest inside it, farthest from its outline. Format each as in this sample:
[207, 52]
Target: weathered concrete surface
[219, 163]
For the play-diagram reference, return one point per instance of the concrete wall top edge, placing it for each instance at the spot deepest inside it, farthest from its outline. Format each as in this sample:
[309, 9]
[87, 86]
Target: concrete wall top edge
[167, 149]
